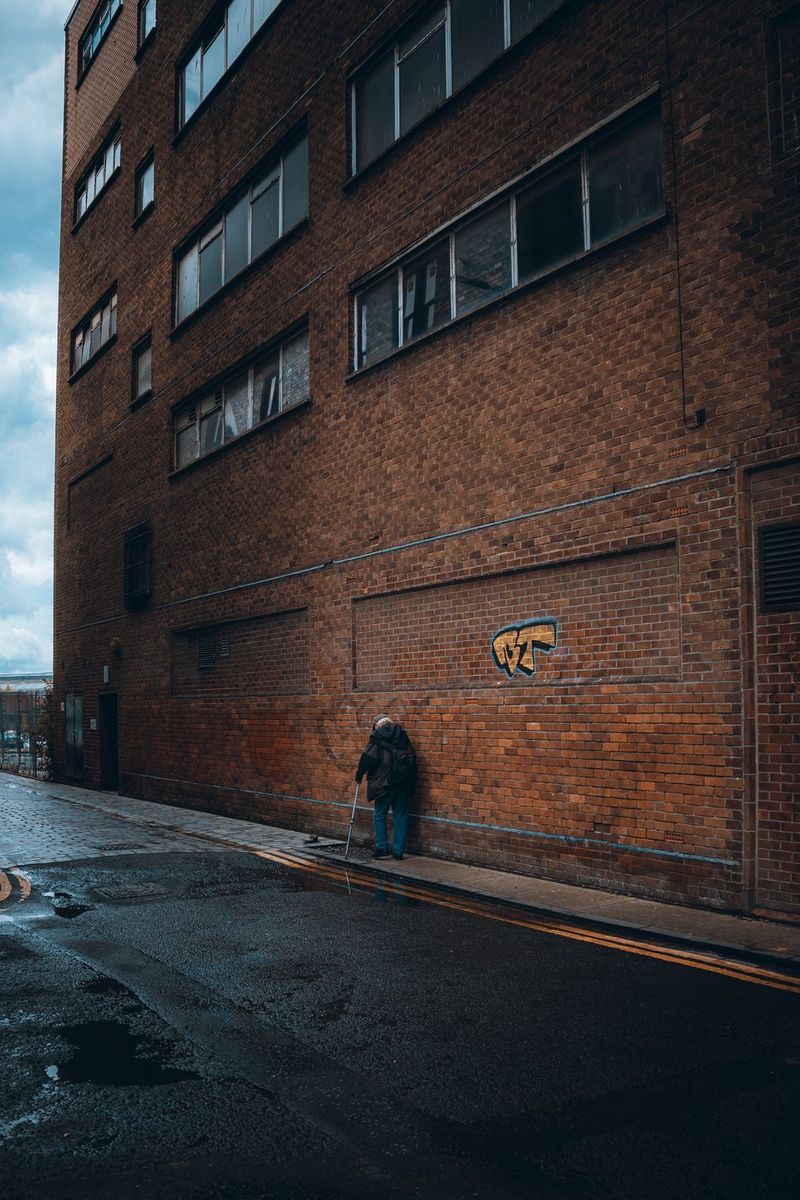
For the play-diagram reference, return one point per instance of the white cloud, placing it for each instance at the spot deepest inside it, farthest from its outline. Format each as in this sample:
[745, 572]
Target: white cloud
[30, 121]
[26, 641]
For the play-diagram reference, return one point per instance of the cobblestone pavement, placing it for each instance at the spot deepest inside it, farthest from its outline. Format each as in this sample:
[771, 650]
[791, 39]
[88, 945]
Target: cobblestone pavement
[45, 822]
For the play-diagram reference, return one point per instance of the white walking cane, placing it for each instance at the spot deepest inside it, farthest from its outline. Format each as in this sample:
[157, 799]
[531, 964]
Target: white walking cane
[352, 818]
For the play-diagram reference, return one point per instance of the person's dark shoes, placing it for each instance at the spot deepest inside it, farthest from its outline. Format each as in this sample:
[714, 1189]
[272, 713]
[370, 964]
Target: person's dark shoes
[397, 856]
[380, 853]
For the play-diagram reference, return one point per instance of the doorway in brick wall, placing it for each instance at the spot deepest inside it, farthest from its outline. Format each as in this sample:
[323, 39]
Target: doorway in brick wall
[109, 740]
[73, 739]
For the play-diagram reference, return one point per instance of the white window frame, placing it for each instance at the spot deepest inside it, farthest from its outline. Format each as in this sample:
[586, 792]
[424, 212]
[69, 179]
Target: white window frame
[394, 49]
[85, 328]
[254, 191]
[83, 190]
[579, 152]
[218, 393]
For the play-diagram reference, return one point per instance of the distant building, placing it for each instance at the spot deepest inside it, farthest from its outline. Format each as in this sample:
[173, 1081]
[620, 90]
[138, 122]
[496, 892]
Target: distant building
[25, 683]
[440, 359]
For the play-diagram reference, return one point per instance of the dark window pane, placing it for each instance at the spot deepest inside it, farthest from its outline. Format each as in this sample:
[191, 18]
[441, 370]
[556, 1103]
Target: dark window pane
[483, 259]
[418, 33]
[191, 85]
[213, 61]
[264, 208]
[186, 446]
[211, 267]
[144, 358]
[625, 180]
[527, 14]
[377, 321]
[266, 385]
[476, 36]
[295, 185]
[211, 430]
[238, 28]
[550, 221]
[294, 384]
[426, 291]
[374, 101]
[236, 237]
[237, 406]
[422, 80]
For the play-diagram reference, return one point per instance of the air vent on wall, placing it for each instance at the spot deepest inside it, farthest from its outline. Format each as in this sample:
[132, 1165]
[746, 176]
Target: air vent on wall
[780, 567]
[205, 649]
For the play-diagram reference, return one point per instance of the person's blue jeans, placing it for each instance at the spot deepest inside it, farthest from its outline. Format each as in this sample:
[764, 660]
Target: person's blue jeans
[399, 805]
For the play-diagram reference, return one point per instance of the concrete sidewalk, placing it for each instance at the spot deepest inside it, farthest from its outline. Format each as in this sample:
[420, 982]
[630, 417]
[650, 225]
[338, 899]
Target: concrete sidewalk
[759, 939]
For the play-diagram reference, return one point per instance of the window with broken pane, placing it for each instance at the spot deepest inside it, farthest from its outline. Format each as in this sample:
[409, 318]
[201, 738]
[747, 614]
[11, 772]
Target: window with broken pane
[274, 382]
[483, 259]
[426, 291]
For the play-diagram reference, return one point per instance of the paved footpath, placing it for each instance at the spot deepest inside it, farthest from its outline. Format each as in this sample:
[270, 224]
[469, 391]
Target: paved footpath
[47, 822]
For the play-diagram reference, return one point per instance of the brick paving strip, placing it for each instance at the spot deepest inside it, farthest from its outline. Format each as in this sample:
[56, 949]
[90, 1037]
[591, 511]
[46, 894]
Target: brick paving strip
[91, 823]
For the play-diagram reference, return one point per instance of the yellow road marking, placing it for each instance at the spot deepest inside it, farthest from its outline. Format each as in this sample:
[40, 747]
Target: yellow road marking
[696, 959]
[5, 886]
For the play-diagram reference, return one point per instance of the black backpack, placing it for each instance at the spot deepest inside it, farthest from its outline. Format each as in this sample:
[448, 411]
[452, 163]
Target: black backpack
[400, 766]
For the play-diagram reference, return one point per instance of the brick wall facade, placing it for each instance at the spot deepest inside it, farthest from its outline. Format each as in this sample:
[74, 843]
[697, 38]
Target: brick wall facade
[598, 449]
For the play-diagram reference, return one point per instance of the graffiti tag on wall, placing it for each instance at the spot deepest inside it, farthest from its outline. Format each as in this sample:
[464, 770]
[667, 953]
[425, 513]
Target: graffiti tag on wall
[513, 646]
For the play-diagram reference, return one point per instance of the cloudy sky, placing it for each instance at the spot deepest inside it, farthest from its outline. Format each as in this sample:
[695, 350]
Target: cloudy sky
[31, 99]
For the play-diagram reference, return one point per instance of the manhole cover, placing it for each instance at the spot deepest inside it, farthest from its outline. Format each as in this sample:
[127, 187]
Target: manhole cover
[127, 891]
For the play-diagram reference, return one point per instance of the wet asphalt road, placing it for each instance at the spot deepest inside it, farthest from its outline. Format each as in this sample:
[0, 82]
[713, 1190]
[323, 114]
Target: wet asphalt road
[219, 1027]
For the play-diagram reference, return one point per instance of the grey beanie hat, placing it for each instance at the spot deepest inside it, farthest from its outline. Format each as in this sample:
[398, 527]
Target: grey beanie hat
[380, 717]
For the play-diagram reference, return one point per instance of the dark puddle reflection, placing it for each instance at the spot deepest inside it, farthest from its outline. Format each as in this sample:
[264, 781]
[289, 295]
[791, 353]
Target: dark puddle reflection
[106, 1052]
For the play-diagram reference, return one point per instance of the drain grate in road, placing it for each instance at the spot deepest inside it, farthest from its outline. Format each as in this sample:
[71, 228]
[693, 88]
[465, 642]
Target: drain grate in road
[119, 846]
[127, 891]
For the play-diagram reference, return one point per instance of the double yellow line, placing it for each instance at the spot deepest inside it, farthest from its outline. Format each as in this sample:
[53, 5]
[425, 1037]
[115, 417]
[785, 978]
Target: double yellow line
[698, 960]
[14, 887]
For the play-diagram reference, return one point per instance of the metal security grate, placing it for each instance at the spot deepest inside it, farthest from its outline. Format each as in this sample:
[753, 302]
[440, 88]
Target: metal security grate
[780, 567]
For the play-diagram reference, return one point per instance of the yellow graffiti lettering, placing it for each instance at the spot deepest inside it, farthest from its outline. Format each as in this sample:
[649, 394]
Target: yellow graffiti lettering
[513, 648]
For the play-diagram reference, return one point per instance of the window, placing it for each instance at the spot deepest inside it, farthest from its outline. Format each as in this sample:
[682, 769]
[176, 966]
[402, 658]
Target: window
[581, 200]
[780, 567]
[142, 372]
[93, 333]
[275, 382]
[136, 567]
[147, 19]
[430, 60]
[145, 185]
[103, 166]
[273, 204]
[223, 42]
[95, 33]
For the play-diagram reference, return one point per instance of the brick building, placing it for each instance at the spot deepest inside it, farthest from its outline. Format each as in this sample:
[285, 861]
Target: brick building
[440, 359]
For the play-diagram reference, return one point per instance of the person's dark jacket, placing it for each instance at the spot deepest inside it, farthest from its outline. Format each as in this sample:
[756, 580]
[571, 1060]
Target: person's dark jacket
[375, 760]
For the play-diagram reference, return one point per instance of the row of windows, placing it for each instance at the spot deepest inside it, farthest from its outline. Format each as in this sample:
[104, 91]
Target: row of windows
[95, 33]
[273, 204]
[93, 332]
[583, 199]
[429, 61]
[222, 43]
[271, 385]
[102, 167]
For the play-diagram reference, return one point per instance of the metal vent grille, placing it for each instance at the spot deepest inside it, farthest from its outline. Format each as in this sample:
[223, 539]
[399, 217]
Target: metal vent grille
[780, 567]
[205, 649]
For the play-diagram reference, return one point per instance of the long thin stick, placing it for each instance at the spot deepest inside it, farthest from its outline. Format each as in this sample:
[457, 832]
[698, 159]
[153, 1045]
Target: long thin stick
[352, 818]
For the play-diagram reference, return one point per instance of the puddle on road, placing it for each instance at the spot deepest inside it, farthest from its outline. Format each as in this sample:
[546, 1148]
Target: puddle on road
[105, 1052]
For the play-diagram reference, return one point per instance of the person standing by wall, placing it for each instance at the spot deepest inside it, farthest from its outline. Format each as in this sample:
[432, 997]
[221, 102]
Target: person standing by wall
[390, 766]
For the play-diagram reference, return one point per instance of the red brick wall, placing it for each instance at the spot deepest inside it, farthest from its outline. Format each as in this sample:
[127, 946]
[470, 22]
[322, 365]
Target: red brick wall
[544, 458]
